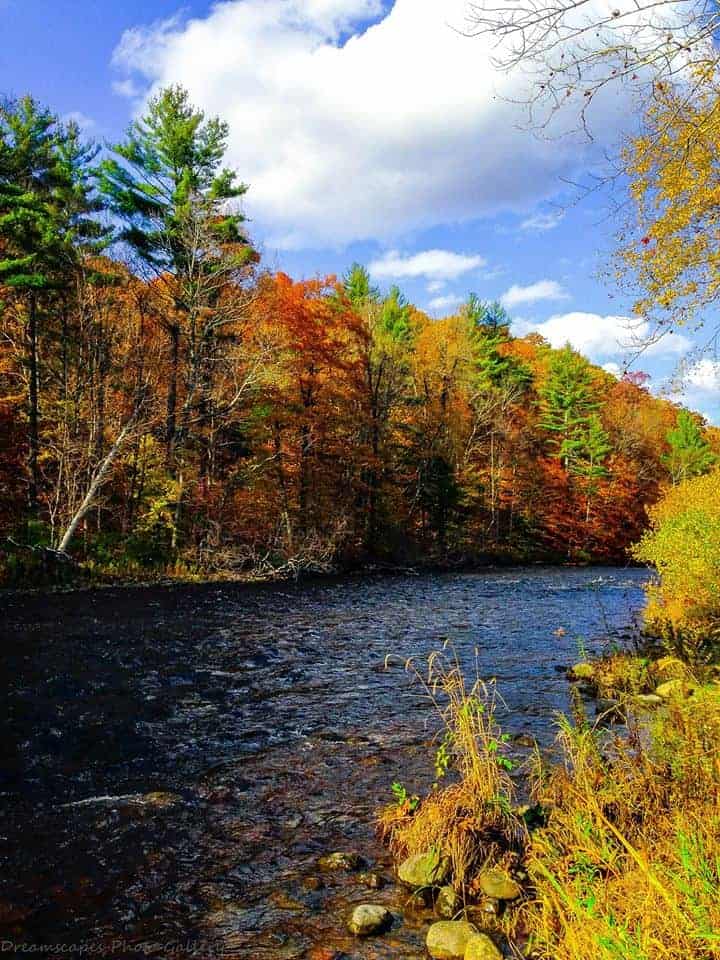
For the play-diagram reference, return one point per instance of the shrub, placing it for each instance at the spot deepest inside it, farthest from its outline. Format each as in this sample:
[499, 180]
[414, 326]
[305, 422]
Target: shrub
[683, 544]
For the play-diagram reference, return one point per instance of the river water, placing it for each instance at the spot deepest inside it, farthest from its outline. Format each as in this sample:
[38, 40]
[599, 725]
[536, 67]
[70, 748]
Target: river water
[271, 721]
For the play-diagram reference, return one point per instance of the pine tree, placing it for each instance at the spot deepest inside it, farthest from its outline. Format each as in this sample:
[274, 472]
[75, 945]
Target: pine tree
[690, 454]
[358, 287]
[47, 223]
[167, 184]
[396, 316]
[568, 403]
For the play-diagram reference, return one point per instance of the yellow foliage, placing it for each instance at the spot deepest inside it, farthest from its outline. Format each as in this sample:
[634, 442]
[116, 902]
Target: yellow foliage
[674, 258]
[683, 543]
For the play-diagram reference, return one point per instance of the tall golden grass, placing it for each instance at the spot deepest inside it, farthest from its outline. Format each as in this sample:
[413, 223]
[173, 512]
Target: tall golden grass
[625, 864]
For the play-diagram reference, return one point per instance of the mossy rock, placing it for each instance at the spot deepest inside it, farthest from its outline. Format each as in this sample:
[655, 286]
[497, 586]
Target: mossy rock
[481, 947]
[674, 688]
[647, 701]
[368, 919]
[582, 671]
[429, 869]
[670, 668]
[497, 883]
[448, 939]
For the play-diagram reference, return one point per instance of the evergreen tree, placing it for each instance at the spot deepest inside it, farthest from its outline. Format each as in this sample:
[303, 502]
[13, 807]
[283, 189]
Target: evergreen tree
[568, 403]
[47, 222]
[596, 446]
[690, 454]
[167, 184]
[396, 316]
[358, 287]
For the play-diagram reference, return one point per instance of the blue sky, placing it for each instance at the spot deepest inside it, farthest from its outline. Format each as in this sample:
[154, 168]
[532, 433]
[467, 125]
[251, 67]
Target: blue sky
[367, 131]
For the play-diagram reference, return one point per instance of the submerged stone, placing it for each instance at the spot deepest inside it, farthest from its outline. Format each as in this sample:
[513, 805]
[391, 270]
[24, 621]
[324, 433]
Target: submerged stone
[448, 939]
[372, 880]
[341, 861]
[499, 884]
[429, 869]
[369, 918]
[481, 947]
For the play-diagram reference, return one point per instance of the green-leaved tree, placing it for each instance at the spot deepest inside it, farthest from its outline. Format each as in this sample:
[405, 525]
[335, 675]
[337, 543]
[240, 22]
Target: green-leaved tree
[690, 454]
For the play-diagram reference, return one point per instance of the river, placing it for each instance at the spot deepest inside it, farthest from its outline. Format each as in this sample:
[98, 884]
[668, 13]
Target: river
[269, 722]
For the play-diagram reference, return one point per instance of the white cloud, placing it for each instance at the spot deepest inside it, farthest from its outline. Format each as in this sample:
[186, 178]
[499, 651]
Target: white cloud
[348, 135]
[445, 304]
[704, 375]
[436, 285]
[542, 222]
[603, 337]
[435, 264]
[614, 368]
[542, 290]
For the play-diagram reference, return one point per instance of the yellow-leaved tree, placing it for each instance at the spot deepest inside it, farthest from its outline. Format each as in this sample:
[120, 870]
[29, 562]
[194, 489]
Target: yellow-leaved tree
[670, 256]
[683, 544]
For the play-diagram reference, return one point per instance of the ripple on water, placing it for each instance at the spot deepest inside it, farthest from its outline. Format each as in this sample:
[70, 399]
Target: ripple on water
[277, 717]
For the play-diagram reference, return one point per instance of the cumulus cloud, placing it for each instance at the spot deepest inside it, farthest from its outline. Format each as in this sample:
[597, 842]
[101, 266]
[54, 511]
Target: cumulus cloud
[346, 131]
[533, 293]
[445, 304]
[438, 265]
[604, 337]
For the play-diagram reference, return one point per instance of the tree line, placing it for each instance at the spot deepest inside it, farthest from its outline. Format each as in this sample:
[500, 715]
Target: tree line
[168, 404]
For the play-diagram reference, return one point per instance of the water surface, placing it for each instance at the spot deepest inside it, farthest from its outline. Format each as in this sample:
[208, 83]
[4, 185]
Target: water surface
[275, 718]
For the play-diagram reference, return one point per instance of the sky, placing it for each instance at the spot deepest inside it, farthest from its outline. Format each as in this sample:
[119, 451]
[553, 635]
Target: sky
[368, 130]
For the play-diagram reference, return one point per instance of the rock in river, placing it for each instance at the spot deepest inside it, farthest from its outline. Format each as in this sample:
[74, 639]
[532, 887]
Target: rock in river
[499, 884]
[341, 861]
[448, 939]
[368, 919]
[674, 688]
[582, 671]
[481, 947]
[429, 869]
[448, 902]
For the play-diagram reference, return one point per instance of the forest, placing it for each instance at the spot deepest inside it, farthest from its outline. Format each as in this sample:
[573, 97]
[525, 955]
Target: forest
[168, 405]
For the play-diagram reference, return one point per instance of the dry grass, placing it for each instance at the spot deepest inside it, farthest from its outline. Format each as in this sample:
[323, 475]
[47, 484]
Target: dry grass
[626, 862]
[628, 865]
[469, 815]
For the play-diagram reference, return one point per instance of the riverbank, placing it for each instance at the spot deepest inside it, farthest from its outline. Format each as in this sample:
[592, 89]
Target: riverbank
[616, 856]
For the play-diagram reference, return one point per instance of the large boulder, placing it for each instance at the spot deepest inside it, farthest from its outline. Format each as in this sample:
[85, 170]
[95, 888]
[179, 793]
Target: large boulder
[496, 883]
[369, 918]
[448, 939]
[481, 947]
[429, 869]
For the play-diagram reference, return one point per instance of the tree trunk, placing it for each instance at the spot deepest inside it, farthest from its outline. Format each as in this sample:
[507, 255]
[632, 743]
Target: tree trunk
[170, 424]
[98, 477]
[33, 406]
